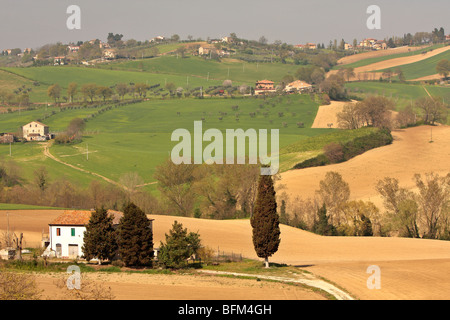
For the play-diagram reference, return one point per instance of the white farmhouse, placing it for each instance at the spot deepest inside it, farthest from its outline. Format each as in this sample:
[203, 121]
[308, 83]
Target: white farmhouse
[66, 233]
[298, 86]
[35, 131]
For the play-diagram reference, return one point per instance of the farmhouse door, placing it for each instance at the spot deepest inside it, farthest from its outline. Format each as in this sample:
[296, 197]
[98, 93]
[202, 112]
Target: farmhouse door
[58, 250]
[73, 251]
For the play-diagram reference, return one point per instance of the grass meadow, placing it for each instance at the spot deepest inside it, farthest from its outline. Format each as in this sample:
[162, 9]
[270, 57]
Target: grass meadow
[137, 137]
[423, 68]
[228, 69]
[369, 61]
[402, 93]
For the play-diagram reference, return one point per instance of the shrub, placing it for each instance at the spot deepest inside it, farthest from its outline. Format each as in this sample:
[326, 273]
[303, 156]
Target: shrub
[320, 160]
[343, 152]
[179, 247]
[334, 152]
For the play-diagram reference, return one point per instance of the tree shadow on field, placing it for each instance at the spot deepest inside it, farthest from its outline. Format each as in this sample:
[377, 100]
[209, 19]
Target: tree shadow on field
[304, 265]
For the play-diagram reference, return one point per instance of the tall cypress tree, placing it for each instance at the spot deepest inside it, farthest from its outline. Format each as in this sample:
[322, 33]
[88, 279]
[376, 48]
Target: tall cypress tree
[265, 221]
[100, 238]
[322, 226]
[135, 237]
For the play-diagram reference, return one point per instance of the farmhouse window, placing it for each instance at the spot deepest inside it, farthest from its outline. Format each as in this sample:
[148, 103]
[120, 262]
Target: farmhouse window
[58, 231]
[72, 232]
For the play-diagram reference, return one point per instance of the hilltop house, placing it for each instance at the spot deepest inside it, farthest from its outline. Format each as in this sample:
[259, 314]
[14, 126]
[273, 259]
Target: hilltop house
[264, 86]
[66, 233]
[205, 50]
[158, 39]
[227, 39]
[310, 46]
[109, 54]
[57, 61]
[6, 137]
[35, 131]
[73, 48]
[298, 87]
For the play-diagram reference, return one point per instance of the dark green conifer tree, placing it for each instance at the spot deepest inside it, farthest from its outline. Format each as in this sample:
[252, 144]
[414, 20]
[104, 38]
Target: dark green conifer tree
[135, 237]
[265, 220]
[100, 237]
[322, 226]
[179, 247]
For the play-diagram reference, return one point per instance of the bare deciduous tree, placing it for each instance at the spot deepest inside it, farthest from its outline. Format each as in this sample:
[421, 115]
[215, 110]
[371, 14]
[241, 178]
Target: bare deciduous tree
[333, 192]
[433, 198]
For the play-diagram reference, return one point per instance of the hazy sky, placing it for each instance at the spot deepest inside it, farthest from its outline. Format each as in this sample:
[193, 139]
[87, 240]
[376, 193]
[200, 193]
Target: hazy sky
[32, 23]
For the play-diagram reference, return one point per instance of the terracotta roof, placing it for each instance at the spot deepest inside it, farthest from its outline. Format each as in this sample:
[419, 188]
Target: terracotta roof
[73, 218]
[81, 217]
[40, 123]
[299, 84]
[265, 81]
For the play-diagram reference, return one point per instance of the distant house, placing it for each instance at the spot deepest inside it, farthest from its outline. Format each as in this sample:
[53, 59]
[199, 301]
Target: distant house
[309, 45]
[380, 45]
[109, 54]
[264, 86]
[204, 50]
[368, 43]
[6, 138]
[158, 39]
[35, 131]
[298, 86]
[73, 48]
[66, 233]
[447, 37]
[348, 46]
[59, 61]
[104, 45]
[227, 39]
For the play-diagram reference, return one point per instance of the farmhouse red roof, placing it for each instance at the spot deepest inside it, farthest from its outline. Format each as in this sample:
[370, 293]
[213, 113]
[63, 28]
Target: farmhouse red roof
[81, 217]
[73, 218]
[265, 81]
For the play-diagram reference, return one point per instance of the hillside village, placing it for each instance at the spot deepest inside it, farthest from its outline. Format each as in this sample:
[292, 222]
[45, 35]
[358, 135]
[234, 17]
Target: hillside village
[97, 51]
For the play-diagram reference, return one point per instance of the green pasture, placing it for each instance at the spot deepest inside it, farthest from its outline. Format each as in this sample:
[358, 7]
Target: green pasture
[235, 70]
[137, 137]
[402, 93]
[369, 61]
[422, 68]
[63, 75]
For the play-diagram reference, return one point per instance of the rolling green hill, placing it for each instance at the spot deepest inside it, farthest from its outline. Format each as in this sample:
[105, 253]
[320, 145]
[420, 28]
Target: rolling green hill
[235, 70]
[369, 61]
[137, 137]
[63, 75]
[422, 68]
[402, 93]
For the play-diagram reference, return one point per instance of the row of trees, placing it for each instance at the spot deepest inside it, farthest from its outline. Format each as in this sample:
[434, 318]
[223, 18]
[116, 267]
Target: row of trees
[131, 241]
[19, 96]
[376, 111]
